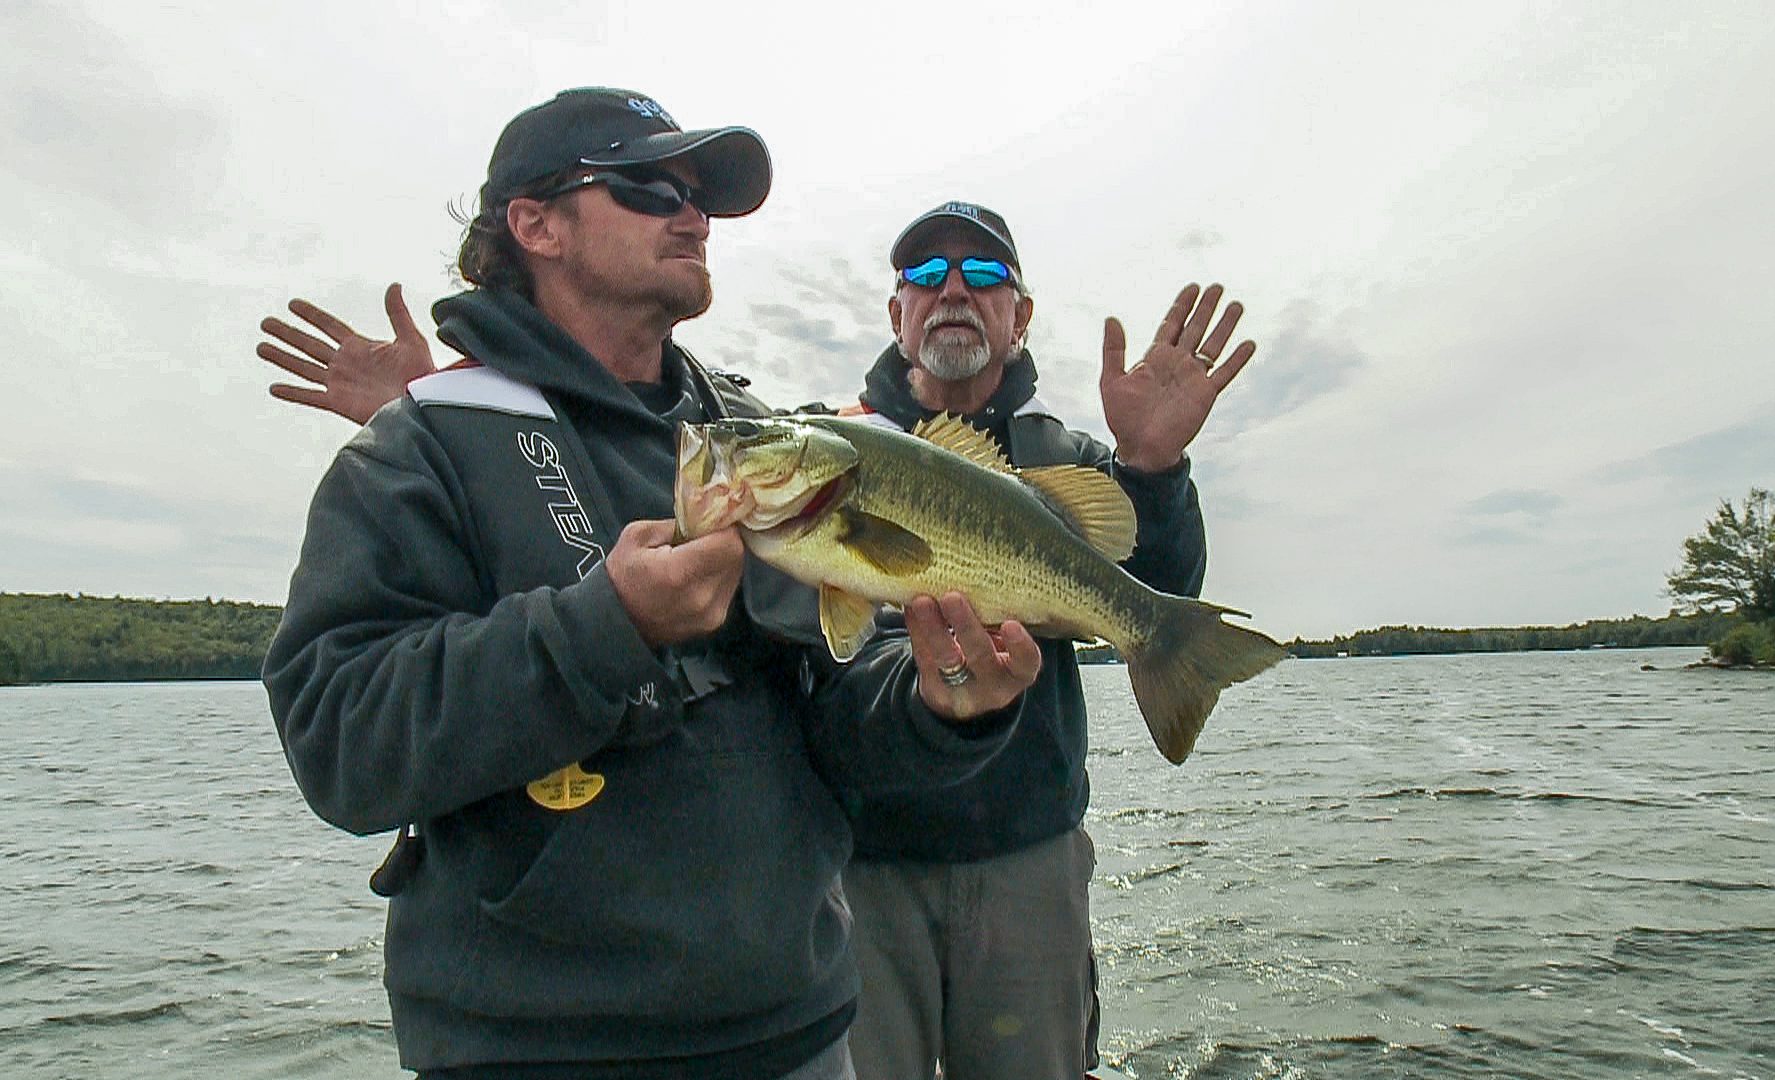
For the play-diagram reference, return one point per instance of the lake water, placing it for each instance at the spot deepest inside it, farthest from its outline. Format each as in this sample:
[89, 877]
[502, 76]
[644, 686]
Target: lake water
[1548, 865]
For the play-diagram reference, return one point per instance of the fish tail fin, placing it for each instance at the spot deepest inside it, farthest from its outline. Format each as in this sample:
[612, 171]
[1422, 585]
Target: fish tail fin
[1179, 672]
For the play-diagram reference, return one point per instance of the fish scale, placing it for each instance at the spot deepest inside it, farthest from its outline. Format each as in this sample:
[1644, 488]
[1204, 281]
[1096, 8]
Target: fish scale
[987, 539]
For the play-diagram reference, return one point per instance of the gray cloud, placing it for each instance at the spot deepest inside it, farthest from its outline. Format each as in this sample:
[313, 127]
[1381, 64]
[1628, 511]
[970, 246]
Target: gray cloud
[1496, 535]
[840, 283]
[65, 531]
[1223, 499]
[1532, 503]
[817, 354]
[824, 342]
[1301, 363]
[1738, 455]
[81, 498]
[791, 322]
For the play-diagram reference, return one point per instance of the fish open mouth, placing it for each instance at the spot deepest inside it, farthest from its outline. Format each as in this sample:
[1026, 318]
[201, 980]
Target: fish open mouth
[814, 507]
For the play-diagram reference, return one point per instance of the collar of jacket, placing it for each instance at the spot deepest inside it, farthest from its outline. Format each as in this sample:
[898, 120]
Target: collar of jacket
[501, 329]
[887, 389]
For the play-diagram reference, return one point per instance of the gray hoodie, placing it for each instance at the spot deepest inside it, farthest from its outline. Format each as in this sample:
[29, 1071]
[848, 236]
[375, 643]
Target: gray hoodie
[451, 636]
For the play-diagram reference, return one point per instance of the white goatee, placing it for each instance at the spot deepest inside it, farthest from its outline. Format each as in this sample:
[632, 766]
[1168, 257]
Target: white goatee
[953, 361]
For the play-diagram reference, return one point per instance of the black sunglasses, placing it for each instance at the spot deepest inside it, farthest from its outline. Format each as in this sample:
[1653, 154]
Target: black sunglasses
[656, 194]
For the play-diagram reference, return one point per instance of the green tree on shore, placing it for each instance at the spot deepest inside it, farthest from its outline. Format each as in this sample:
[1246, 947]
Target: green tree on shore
[59, 638]
[1729, 566]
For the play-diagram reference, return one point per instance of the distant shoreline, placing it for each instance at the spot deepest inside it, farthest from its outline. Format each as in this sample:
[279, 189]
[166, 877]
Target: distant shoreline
[66, 638]
[1636, 632]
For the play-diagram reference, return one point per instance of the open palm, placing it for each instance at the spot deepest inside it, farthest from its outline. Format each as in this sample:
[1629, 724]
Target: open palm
[1157, 407]
[351, 375]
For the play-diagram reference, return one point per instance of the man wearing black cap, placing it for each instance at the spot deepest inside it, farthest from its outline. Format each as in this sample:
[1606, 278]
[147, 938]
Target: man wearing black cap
[973, 925]
[613, 761]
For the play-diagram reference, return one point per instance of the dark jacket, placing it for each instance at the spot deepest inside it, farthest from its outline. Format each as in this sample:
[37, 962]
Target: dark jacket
[452, 636]
[1037, 786]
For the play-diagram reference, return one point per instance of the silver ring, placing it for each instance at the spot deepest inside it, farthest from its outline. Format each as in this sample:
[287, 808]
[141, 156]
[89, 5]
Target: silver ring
[956, 674]
[1207, 361]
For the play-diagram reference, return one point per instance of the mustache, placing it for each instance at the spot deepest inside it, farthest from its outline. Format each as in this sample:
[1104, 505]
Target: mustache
[955, 314]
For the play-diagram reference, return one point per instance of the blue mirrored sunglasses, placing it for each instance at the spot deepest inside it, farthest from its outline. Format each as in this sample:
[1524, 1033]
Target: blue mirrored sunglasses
[657, 194]
[977, 272]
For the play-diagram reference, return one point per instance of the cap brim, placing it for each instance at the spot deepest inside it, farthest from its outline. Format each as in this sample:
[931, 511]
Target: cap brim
[913, 241]
[732, 164]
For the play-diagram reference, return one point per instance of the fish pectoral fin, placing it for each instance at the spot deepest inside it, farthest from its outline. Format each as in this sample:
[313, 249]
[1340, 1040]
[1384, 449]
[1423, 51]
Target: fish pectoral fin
[1090, 503]
[889, 548]
[847, 620]
[958, 436]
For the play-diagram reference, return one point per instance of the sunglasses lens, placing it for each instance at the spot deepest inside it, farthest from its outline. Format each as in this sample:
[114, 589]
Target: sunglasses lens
[928, 274]
[984, 273]
[656, 196]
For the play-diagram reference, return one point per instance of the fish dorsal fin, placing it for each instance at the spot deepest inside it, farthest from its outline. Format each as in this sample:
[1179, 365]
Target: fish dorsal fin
[846, 619]
[1090, 503]
[889, 548]
[956, 435]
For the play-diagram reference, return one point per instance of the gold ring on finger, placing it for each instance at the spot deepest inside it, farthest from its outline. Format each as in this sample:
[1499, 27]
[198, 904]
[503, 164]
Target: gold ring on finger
[955, 674]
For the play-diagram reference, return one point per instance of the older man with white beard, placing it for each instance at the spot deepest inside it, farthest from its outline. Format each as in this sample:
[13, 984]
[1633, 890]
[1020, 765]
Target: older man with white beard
[972, 917]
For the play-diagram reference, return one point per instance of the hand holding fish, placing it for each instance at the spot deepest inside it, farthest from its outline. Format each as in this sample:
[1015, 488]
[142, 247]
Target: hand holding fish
[675, 592]
[1157, 407]
[993, 668]
[353, 375]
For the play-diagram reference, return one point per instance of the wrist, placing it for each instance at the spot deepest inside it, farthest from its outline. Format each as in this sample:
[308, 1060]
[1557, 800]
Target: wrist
[1150, 464]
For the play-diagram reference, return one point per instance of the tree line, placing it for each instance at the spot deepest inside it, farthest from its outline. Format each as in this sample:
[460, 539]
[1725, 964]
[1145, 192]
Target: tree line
[1724, 590]
[61, 638]
[1638, 632]
[1724, 593]
[1633, 633]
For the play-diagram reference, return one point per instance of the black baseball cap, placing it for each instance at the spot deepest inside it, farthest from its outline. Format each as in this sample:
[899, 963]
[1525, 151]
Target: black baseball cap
[598, 125]
[990, 227]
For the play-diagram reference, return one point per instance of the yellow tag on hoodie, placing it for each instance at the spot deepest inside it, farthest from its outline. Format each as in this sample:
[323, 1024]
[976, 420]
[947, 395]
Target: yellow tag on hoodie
[565, 789]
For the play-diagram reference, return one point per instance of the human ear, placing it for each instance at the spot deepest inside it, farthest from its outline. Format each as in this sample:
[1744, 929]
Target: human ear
[1025, 312]
[532, 227]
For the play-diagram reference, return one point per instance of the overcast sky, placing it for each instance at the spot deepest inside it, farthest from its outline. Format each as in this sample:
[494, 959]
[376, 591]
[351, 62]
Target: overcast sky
[1508, 265]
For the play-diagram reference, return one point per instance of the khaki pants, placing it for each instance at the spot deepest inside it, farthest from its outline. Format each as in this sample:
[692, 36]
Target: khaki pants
[985, 966]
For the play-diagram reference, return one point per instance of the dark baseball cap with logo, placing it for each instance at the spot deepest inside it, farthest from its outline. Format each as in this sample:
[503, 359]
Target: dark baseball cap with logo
[600, 126]
[986, 225]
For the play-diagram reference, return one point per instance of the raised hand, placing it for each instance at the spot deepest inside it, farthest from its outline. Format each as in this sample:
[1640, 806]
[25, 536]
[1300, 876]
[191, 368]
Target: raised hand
[965, 670]
[1157, 407]
[675, 592]
[352, 375]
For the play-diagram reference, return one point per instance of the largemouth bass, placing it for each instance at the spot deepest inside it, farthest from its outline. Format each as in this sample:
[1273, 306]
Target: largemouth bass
[874, 515]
